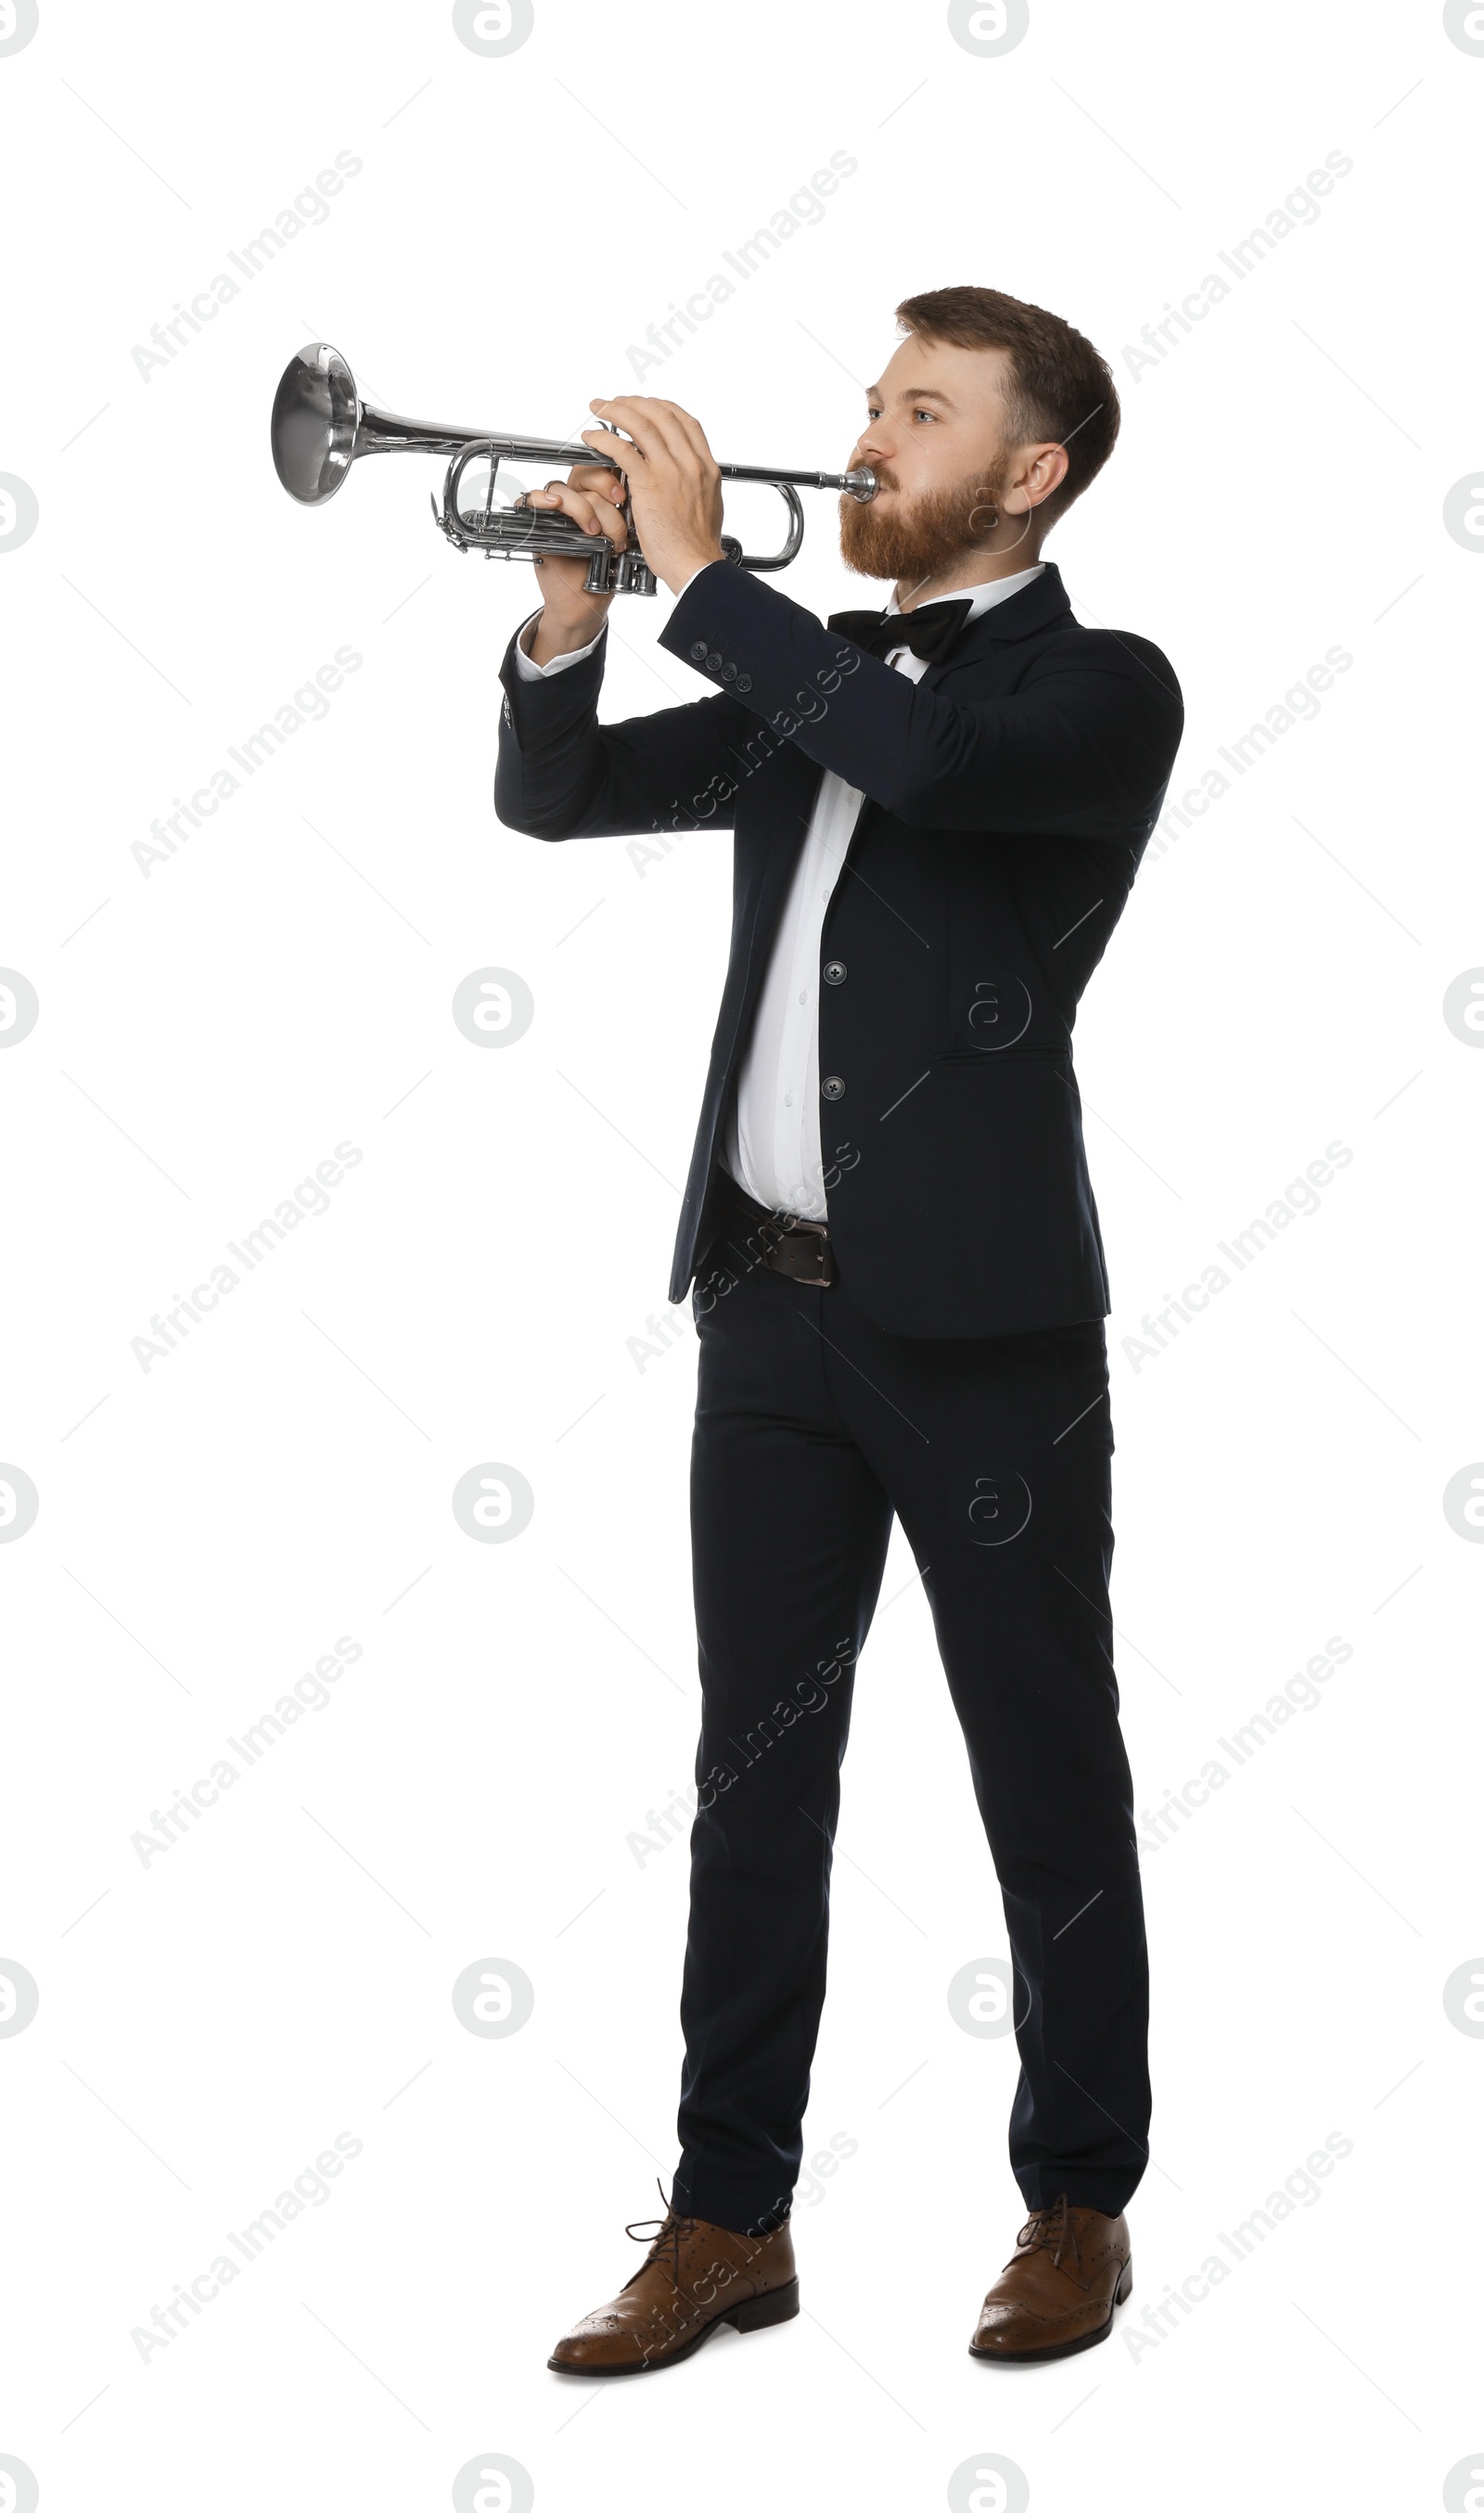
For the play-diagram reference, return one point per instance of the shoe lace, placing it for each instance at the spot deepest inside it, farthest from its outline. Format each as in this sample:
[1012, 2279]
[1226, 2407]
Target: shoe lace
[660, 2231]
[1049, 2229]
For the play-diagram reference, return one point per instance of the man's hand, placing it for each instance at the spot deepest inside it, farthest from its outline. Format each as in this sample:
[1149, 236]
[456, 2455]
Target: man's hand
[572, 618]
[675, 486]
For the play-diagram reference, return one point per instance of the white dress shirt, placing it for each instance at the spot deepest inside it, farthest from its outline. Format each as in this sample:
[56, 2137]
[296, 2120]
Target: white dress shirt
[771, 1138]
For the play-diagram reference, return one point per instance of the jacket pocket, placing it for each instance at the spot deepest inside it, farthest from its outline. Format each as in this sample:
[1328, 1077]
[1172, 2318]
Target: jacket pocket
[987, 1056]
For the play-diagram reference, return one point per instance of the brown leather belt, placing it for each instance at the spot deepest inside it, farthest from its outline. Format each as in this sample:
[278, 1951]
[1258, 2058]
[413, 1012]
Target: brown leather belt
[753, 1232]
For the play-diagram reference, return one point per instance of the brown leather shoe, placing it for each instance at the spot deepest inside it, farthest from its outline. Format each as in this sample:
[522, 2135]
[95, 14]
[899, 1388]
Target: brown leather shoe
[696, 2276]
[1072, 2268]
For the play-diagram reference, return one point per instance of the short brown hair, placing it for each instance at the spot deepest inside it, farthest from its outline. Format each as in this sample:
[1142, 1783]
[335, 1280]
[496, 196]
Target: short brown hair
[1058, 389]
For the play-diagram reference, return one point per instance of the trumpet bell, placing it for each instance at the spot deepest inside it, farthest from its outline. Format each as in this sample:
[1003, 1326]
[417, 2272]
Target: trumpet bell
[316, 415]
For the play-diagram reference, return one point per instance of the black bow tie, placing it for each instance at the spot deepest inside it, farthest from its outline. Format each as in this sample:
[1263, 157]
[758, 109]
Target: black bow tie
[929, 632]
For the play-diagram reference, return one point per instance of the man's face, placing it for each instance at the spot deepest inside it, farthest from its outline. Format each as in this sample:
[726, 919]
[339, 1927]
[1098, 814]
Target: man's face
[934, 438]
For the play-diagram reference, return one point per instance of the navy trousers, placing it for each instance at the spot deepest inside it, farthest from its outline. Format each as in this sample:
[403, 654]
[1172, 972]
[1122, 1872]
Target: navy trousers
[813, 1429]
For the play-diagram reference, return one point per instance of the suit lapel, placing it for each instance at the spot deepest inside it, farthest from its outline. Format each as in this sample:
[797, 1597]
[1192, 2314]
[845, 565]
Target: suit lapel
[1001, 628]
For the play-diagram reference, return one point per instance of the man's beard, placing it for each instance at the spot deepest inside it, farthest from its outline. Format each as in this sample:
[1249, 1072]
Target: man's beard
[915, 542]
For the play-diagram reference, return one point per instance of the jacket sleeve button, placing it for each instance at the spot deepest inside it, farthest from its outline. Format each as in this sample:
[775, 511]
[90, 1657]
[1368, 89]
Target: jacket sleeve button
[699, 651]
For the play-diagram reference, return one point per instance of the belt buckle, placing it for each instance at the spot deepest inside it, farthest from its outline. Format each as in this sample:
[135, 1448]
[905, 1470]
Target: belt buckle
[821, 1231]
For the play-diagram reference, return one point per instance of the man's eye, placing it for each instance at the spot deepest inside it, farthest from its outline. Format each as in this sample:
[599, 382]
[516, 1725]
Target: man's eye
[924, 414]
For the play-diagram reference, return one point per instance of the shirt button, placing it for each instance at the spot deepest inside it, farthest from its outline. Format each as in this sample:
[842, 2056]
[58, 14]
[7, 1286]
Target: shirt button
[803, 994]
[832, 1088]
[743, 681]
[789, 1099]
[699, 651]
[834, 973]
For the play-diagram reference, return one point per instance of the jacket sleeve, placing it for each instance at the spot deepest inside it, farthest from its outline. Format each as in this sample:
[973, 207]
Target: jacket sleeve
[559, 774]
[1082, 748]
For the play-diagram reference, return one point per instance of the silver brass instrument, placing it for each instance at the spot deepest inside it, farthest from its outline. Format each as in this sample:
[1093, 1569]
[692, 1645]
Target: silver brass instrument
[321, 427]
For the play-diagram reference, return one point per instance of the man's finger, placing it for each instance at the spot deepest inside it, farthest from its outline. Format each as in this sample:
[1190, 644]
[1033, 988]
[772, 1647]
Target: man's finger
[690, 427]
[592, 511]
[595, 478]
[631, 456]
[653, 431]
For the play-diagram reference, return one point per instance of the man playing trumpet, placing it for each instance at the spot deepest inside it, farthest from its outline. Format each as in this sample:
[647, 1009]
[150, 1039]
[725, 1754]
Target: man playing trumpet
[899, 1281]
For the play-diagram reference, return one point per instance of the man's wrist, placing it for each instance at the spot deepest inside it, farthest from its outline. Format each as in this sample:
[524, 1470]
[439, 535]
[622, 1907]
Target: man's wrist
[548, 639]
[679, 577]
[544, 640]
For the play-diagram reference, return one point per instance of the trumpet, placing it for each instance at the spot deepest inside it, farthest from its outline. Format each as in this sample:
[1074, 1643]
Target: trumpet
[321, 425]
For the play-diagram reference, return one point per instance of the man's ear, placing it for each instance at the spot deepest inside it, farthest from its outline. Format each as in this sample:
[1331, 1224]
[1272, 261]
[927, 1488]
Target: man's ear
[1039, 471]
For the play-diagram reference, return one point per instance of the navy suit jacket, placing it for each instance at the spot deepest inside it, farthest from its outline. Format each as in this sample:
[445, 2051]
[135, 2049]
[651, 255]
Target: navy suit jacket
[1008, 796]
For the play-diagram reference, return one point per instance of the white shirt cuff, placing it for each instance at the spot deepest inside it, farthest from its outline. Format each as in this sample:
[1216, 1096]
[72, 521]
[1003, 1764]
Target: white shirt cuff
[528, 671]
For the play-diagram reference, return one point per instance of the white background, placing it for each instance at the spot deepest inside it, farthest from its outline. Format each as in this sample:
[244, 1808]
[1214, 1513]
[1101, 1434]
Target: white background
[208, 1034]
